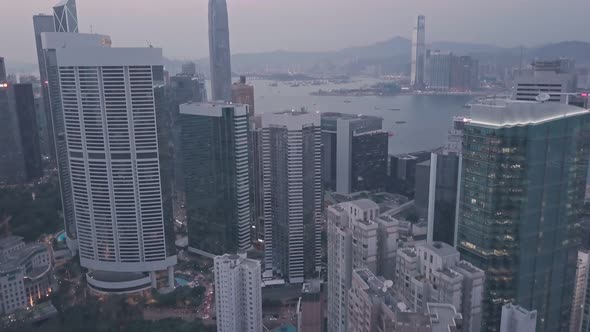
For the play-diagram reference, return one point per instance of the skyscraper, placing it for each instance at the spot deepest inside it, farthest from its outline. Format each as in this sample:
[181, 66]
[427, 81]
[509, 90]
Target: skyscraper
[24, 103]
[110, 144]
[444, 186]
[243, 93]
[2, 70]
[183, 88]
[464, 73]
[418, 52]
[579, 292]
[44, 23]
[11, 151]
[522, 190]
[50, 43]
[20, 151]
[352, 244]
[215, 162]
[438, 70]
[238, 293]
[355, 152]
[189, 69]
[219, 51]
[65, 16]
[293, 197]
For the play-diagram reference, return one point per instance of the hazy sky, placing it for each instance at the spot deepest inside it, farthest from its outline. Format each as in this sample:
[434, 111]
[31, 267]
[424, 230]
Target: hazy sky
[180, 26]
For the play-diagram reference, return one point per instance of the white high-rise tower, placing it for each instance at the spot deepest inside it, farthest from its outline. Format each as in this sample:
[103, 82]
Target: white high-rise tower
[418, 52]
[104, 111]
[292, 181]
[238, 293]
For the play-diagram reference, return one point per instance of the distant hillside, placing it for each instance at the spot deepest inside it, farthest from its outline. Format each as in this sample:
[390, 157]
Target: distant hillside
[571, 49]
[393, 56]
[390, 56]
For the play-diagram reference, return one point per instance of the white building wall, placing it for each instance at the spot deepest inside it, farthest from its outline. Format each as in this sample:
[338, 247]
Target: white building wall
[350, 226]
[517, 319]
[111, 134]
[238, 293]
[579, 292]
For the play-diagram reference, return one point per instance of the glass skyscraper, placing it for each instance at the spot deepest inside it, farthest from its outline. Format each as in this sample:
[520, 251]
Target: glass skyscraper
[219, 51]
[215, 162]
[522, 188]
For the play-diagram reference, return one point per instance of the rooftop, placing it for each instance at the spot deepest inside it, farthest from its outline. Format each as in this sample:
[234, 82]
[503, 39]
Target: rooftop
[312, 286]
[468, 267]
[512, 113]
[408, 251]
[336, 116]
[441, 248]
[212, 109]
[365, 204]
[292, 120]
[19, 258]
[412, 319]
[10, 241]
[443, 316]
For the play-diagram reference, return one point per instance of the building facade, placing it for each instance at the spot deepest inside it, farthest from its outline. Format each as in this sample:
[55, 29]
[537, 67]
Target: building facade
[578, 302]
[44, 23]
[444, 187]
[189, 69]
[555, 78]
[26, 274]
[219, 51]
[375, 306]
[65, 16]
[238, 293]
[433, 273]
[355, 152]
[109, 143]
[516, 319]
[243, 93]
[523, 180]
[20, 153]
[438, 70]
[352, 243]
[464, 73]
[310, 308]
[217, 179]
[418, 52]
[293, 196]
[50, 42]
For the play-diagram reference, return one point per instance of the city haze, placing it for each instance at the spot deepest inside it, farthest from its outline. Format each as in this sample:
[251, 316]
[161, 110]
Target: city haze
[180, 26]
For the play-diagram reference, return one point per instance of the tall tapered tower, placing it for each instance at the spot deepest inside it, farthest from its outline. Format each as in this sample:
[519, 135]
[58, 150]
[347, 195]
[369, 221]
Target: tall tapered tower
[219, 52]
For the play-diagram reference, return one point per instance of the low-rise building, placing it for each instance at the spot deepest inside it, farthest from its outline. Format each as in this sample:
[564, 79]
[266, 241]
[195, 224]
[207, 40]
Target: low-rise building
[25, 274]
[375, 306]
[434, 273]
[310, 309]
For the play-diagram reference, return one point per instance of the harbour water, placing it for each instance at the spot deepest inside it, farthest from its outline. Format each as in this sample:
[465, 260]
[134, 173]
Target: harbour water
[416, 122]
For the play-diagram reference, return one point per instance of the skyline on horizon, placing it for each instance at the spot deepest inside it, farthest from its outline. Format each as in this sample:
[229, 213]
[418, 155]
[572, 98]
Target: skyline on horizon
[287, 26]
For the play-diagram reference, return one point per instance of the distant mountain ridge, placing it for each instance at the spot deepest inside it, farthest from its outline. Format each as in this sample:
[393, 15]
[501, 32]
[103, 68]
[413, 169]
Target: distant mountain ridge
[392, 55]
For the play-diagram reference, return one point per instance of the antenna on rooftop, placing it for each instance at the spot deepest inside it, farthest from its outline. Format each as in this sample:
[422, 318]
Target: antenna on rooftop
[149, 44]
